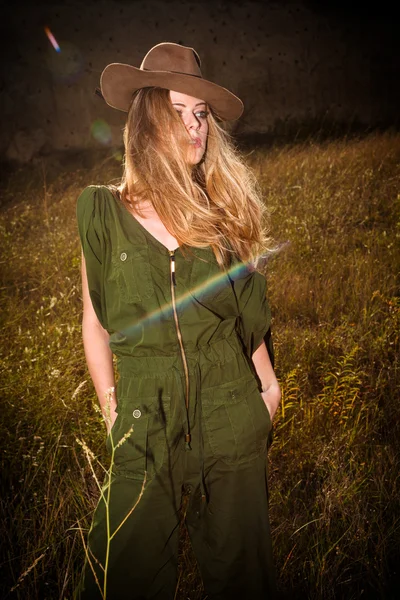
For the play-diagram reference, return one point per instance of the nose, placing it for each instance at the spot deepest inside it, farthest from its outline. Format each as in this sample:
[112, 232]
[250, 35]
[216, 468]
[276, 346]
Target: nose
[192, 122]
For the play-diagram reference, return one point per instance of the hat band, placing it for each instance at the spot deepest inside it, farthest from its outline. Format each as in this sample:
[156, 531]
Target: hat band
[177, 72]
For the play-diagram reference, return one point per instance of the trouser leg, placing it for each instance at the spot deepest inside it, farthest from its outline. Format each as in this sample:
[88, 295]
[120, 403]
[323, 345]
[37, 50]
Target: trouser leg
[142, 560]
[231, 535]
[142, 557]
[137, 546]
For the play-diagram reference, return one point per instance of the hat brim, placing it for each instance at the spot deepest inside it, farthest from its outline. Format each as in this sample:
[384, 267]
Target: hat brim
[118, 82]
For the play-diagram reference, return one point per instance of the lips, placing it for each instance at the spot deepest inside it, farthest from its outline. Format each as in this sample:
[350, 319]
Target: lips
[196, 142]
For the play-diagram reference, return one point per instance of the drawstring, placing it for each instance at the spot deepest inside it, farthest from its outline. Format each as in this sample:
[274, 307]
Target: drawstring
[178, 377]
[187, 434]
[201, 441]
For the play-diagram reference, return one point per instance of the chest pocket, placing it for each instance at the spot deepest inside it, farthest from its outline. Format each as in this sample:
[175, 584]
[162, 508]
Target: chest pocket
[208, 282]
[132, 272]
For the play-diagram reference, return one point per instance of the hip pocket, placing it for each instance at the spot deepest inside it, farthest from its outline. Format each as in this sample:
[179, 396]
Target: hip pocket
[236, 420]
[138, 439]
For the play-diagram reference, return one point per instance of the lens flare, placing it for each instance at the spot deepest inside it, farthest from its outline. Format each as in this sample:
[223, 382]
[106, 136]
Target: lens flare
[52, 39]
[118, 155]
[166, 310]
[101, 132]
[66, 64]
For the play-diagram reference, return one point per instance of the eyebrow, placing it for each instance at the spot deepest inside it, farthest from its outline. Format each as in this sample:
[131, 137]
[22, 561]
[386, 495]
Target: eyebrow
[180, 104]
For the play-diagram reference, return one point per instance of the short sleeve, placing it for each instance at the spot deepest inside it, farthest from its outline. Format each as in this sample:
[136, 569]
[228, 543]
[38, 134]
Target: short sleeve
[254, 323]
[90, 218]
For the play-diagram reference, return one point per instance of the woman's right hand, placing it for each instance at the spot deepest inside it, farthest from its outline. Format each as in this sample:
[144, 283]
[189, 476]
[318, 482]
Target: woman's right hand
[110, 414]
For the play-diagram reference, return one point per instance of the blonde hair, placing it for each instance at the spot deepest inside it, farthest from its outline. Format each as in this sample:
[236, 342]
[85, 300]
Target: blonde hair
[216, 202]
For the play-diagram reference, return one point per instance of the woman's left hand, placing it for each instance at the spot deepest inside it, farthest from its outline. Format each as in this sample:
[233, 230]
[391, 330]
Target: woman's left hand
[269, 383]
[272, 397]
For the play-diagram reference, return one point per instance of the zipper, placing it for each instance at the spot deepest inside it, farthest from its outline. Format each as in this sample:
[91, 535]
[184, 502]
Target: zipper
[179, 334]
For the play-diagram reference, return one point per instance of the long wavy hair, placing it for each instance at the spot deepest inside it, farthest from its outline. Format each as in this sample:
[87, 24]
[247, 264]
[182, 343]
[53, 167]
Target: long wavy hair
[216, 202]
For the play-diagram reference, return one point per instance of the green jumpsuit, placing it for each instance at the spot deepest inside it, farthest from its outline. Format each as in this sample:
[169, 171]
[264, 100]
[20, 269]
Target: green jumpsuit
[183, 333]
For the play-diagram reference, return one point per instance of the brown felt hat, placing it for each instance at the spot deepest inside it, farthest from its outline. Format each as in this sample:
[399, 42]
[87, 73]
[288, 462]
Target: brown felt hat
[173, 67]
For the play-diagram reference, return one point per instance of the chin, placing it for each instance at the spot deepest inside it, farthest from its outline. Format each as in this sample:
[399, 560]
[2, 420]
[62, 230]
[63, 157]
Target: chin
[197, 159]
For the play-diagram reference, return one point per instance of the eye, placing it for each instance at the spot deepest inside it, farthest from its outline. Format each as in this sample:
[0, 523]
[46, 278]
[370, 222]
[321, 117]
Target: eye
[203, 114]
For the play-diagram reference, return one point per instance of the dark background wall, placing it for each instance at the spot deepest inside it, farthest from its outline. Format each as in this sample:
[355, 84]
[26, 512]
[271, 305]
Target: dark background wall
[290, 62]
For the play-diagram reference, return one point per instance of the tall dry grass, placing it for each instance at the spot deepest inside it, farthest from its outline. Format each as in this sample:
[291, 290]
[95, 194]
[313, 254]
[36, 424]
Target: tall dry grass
[334, 291]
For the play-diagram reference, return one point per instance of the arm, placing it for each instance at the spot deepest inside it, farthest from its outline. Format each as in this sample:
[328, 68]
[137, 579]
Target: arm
[271, 391]
[98, 354]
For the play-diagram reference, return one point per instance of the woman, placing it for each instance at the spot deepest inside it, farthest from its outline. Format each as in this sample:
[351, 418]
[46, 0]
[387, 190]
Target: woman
[167, 288]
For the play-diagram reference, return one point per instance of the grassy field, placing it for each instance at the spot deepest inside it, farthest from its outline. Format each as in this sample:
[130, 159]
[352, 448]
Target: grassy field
[334, 292]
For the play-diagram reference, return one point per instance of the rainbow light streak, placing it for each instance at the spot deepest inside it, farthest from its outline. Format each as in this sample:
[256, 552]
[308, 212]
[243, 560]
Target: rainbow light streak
[52, 39]
[166, 309]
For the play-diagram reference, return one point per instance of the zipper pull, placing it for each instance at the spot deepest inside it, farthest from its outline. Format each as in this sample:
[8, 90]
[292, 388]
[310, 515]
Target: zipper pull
[172, 257]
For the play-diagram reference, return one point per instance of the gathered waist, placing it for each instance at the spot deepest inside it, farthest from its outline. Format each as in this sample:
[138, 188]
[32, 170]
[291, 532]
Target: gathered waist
[163, 380]
[213, 354]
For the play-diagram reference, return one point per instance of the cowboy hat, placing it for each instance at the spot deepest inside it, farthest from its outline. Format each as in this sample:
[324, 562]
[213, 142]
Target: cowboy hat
[169, 66]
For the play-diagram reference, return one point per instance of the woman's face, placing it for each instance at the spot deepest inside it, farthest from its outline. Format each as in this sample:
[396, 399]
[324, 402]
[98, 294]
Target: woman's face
[193, 113]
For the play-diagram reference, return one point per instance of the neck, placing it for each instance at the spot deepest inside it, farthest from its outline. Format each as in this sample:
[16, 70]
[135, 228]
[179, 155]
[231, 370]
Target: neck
[144, 206]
